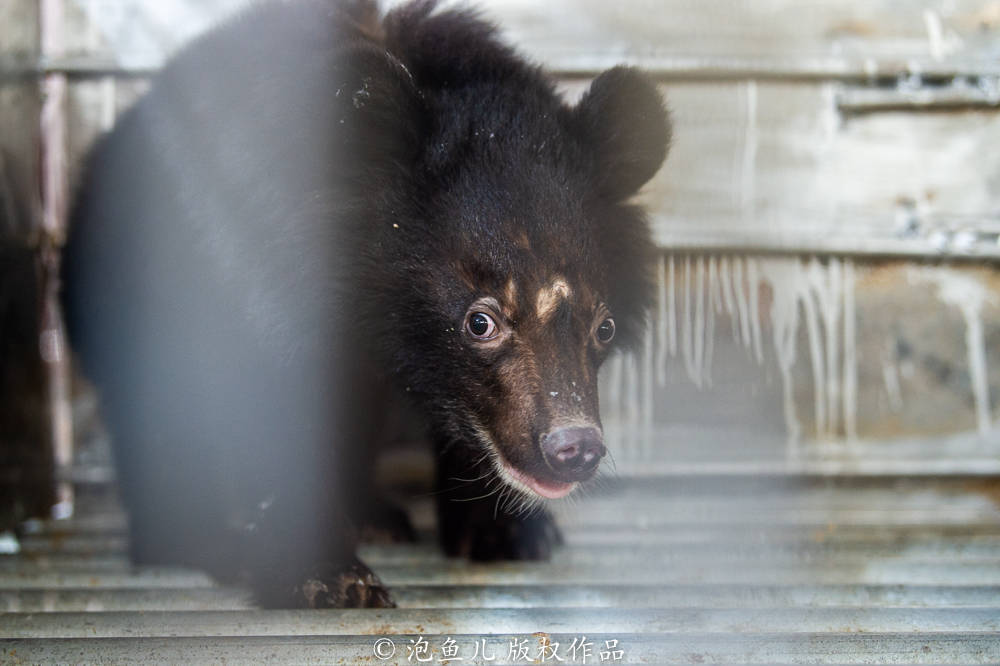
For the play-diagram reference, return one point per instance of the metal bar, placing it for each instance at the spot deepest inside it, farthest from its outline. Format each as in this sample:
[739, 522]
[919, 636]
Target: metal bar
[797, 67]
[608, 556]
[945, 98]
[941, 246]
[666, 67]
[338, 622]
[54, 126]
[95, 523]
[826, 542]
[774, 495]
[735, 552]
[41, 600]
[959, 536]
[99, 544]
[822, 571]
[692, 596]
[527, 596]
[141, 578]
[726, 536]
[659, 517]
[985, 466]
[33, 563]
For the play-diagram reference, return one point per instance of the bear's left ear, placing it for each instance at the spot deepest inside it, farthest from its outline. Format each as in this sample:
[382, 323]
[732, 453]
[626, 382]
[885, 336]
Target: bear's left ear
[623, 119]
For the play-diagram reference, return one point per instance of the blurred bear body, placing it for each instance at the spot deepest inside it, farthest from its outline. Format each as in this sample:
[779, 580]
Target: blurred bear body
[316, 210]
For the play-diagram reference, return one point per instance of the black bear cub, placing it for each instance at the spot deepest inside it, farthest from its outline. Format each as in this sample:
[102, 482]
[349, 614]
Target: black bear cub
[318, 215]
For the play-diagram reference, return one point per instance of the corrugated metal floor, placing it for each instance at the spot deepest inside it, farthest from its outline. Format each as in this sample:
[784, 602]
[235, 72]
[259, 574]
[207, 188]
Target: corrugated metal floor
[694, 569]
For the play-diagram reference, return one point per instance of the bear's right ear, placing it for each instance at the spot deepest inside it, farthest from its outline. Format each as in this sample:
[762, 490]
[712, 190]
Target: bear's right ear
[623, 119]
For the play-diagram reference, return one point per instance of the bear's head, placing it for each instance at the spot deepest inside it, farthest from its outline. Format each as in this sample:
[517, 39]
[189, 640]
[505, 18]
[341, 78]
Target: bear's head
[508, 262]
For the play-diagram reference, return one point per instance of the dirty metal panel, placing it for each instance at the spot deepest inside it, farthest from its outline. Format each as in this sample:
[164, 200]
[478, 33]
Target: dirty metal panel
[724, 570]
[790, 167]
[817, 365]
[876, 148]
[826, 38]
[773, 168]
[816, 39]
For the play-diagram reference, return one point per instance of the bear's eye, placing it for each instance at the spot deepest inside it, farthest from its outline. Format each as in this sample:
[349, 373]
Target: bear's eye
[481, 326]
[606, 330]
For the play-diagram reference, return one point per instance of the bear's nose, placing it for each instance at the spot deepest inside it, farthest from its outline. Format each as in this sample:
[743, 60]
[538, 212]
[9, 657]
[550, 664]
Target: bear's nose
[573, 453]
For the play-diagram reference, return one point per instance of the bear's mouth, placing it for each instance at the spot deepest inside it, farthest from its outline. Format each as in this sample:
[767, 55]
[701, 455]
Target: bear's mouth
[523, 481]
[519, 479]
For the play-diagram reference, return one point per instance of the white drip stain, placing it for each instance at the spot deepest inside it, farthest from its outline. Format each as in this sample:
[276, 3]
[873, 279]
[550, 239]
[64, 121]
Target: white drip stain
[715, 284]
[816, 357]
[893, 388]
[781, 273]
[977, 367]
[614, 400]
[686, 335]
[850, 386]
[697, 362]
[646, 368]
[825, 292]
[969, 295]
[741, 300]
[753, 289]
[934, 34]
[711, 307]
[726, 281]
[830, 298]
[632, 384]
[662, 327]
[672, 305]
[818, 294]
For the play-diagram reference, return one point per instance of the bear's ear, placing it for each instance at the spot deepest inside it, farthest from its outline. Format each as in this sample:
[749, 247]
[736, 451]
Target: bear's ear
[623, 120]
[381, 114]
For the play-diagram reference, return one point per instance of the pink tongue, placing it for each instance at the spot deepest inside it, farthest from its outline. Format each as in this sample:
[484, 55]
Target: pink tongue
[547, 489]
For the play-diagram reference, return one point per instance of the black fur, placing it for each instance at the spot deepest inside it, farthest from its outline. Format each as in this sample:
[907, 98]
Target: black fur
[290, 227]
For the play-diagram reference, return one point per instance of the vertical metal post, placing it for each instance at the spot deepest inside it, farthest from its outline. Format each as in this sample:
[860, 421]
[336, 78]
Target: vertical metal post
[54, 174]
